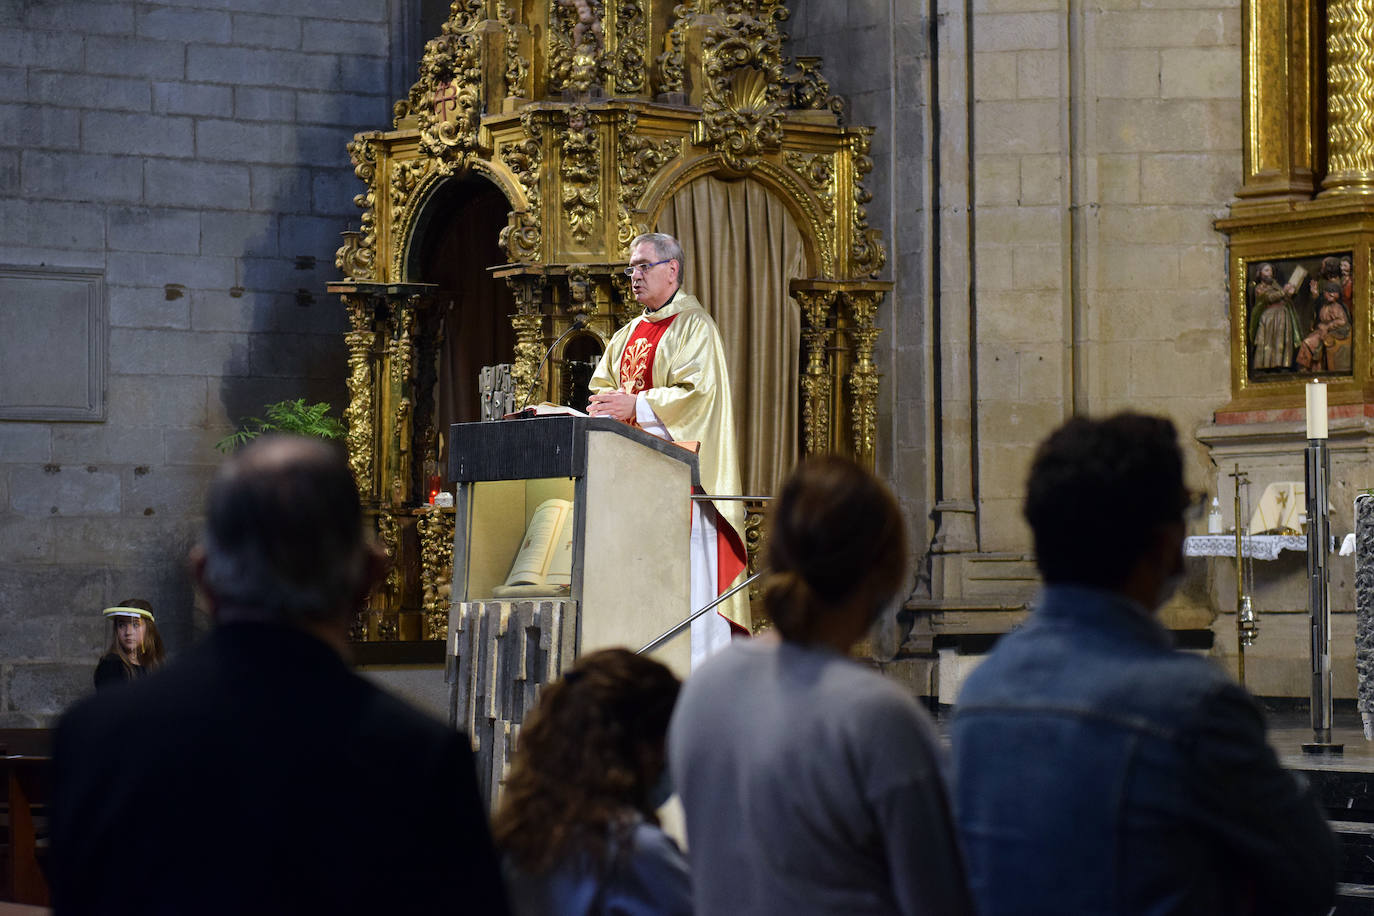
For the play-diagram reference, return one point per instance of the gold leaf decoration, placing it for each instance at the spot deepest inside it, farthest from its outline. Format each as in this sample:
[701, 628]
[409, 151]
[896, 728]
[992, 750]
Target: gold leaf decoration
[581, 173]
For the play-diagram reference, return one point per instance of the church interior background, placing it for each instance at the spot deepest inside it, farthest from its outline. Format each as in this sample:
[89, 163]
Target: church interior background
[930, 232]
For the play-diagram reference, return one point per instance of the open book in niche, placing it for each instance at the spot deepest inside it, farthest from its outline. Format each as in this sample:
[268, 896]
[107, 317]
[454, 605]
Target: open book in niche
[543, 565]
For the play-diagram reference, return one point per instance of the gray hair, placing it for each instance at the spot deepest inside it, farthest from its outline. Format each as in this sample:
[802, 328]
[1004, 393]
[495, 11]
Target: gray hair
[283, 534]
[665, 246]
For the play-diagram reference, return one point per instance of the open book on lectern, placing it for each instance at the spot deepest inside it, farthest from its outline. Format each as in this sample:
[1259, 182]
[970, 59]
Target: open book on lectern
[543, 565]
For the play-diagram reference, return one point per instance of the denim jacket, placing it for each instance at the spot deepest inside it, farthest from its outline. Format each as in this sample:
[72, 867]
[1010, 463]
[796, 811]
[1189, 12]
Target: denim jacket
[1100, 771]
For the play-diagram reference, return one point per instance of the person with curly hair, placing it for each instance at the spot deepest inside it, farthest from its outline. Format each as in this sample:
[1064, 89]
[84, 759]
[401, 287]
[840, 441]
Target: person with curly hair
[812, 784]
[576, 822]
[135, 645]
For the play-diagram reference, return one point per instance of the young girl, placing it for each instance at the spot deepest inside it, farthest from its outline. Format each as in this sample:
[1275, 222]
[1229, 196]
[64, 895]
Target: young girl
[576, 821]
[135, 646]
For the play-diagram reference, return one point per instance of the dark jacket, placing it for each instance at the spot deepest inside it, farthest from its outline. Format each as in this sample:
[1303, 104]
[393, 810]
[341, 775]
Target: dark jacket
[1100, 771]
[257, 774]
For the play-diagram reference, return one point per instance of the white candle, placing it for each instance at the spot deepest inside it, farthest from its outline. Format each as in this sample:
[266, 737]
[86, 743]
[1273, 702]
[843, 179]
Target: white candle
[1316, 410]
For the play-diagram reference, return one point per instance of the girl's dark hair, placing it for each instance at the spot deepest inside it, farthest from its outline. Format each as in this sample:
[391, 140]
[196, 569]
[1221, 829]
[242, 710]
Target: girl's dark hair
[835, 534]
[577, 783]
[151, 654]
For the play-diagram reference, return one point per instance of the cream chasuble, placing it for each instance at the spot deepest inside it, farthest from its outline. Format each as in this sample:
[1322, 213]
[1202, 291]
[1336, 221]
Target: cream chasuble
[690, 395]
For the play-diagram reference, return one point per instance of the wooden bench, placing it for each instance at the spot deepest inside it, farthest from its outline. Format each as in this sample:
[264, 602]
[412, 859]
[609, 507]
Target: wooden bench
[26, 778]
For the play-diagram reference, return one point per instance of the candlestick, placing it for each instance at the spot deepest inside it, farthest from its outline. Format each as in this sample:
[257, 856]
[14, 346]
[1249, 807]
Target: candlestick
[1316, 410]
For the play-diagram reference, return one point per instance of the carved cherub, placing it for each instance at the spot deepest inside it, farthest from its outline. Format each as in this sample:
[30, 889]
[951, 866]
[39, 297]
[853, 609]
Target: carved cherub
[587, 21]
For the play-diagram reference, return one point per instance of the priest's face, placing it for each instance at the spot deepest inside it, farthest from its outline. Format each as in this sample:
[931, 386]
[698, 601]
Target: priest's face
[652, 286]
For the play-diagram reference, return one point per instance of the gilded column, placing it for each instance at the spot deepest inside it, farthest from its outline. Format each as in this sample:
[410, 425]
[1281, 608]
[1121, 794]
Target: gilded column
[1281, 133]
[401, 357]
[864, 376]
[817, 392]
[1350, 97]
[436, 567]
[360, 339]
[528, 322]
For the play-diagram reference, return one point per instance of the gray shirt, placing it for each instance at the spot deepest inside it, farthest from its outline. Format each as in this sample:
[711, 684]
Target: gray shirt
[811, 785]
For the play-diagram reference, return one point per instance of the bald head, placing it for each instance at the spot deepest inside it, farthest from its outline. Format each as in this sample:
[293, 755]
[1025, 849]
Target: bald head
[283, 534]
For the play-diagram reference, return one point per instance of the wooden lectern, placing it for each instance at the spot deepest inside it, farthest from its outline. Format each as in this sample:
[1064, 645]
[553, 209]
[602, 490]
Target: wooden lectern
[631, 578]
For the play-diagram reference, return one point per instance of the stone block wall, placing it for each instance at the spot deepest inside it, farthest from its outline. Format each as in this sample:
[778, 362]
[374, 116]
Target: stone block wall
[874, 56]
[1106, 139]
[193, 153]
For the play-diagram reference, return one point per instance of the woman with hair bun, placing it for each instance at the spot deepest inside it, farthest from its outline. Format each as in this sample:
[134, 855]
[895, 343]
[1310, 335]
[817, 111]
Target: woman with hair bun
[811, 784]
[135, 645]
[576, 822]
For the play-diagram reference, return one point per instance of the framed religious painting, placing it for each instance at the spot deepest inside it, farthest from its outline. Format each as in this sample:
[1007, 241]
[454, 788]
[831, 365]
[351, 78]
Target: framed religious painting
[1298, 316]
[1299, 303]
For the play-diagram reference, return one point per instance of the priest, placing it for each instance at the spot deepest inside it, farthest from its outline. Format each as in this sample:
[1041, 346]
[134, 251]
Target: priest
[665, 372]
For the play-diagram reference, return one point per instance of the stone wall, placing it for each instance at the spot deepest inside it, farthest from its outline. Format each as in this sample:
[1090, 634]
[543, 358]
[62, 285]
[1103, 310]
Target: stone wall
[1052, 177]
[192, 153]
[874, 56]
[1105, 143]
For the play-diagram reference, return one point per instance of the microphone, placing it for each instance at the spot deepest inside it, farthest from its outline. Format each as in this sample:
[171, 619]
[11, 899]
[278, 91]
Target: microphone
[580, 321]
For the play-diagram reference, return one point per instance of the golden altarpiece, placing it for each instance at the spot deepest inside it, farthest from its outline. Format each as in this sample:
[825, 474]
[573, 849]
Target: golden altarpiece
[539, 139]
[1301, 232]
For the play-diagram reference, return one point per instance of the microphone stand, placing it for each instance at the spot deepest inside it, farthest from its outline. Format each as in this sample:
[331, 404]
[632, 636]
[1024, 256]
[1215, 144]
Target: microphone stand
[579, 321]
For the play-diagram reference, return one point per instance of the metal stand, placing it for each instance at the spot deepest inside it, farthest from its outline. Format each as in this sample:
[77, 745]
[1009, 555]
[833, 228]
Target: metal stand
[1247, 627]
[1318, 473]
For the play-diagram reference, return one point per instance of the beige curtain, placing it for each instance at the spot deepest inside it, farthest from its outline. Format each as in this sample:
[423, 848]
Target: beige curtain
[742, 248]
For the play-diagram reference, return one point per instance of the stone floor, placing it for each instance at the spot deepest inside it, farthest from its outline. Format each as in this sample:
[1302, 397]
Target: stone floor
[1289, 731]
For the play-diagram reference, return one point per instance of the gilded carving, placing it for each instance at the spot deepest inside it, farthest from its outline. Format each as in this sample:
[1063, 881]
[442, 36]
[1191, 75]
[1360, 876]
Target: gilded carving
[528, 322]
[436, 568]
[639, 159]
[357, 258]
[624, 306]
[405, 177]
[580, 301]
[819, 369]
[672, 63]
[864, 376]
[524, 156]
[741, 109]
[581, 173]
[446, 100]
[358, 415]
[631, 45]
[811, 90]
[388, 535]
[401, 353]
[754, 541]
[520, 237]
[586, 43]
[818, 170]
[866, 254]
[1350, 44]
[464, 14]
[517, 67]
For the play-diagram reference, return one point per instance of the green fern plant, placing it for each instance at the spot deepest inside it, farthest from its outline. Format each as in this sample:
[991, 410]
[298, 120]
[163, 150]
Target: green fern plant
[286, 417]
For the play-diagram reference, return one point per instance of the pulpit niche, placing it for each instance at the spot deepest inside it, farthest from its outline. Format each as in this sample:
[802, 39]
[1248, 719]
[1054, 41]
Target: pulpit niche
[497, 212]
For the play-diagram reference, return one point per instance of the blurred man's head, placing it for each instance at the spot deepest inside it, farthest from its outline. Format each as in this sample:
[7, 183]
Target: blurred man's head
[284, 536]
[1105, 502]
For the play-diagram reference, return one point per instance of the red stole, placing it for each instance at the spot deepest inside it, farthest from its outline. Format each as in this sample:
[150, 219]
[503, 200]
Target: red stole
[637, 360]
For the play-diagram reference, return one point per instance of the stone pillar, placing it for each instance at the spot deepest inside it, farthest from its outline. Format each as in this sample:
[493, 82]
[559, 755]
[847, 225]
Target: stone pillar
[1350, 98]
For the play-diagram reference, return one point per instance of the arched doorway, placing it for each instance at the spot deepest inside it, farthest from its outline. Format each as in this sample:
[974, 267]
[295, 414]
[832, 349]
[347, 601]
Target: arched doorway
[455, 245]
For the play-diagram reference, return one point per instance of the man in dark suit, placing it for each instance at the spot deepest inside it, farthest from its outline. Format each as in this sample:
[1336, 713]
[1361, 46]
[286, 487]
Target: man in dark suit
[257, 773]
